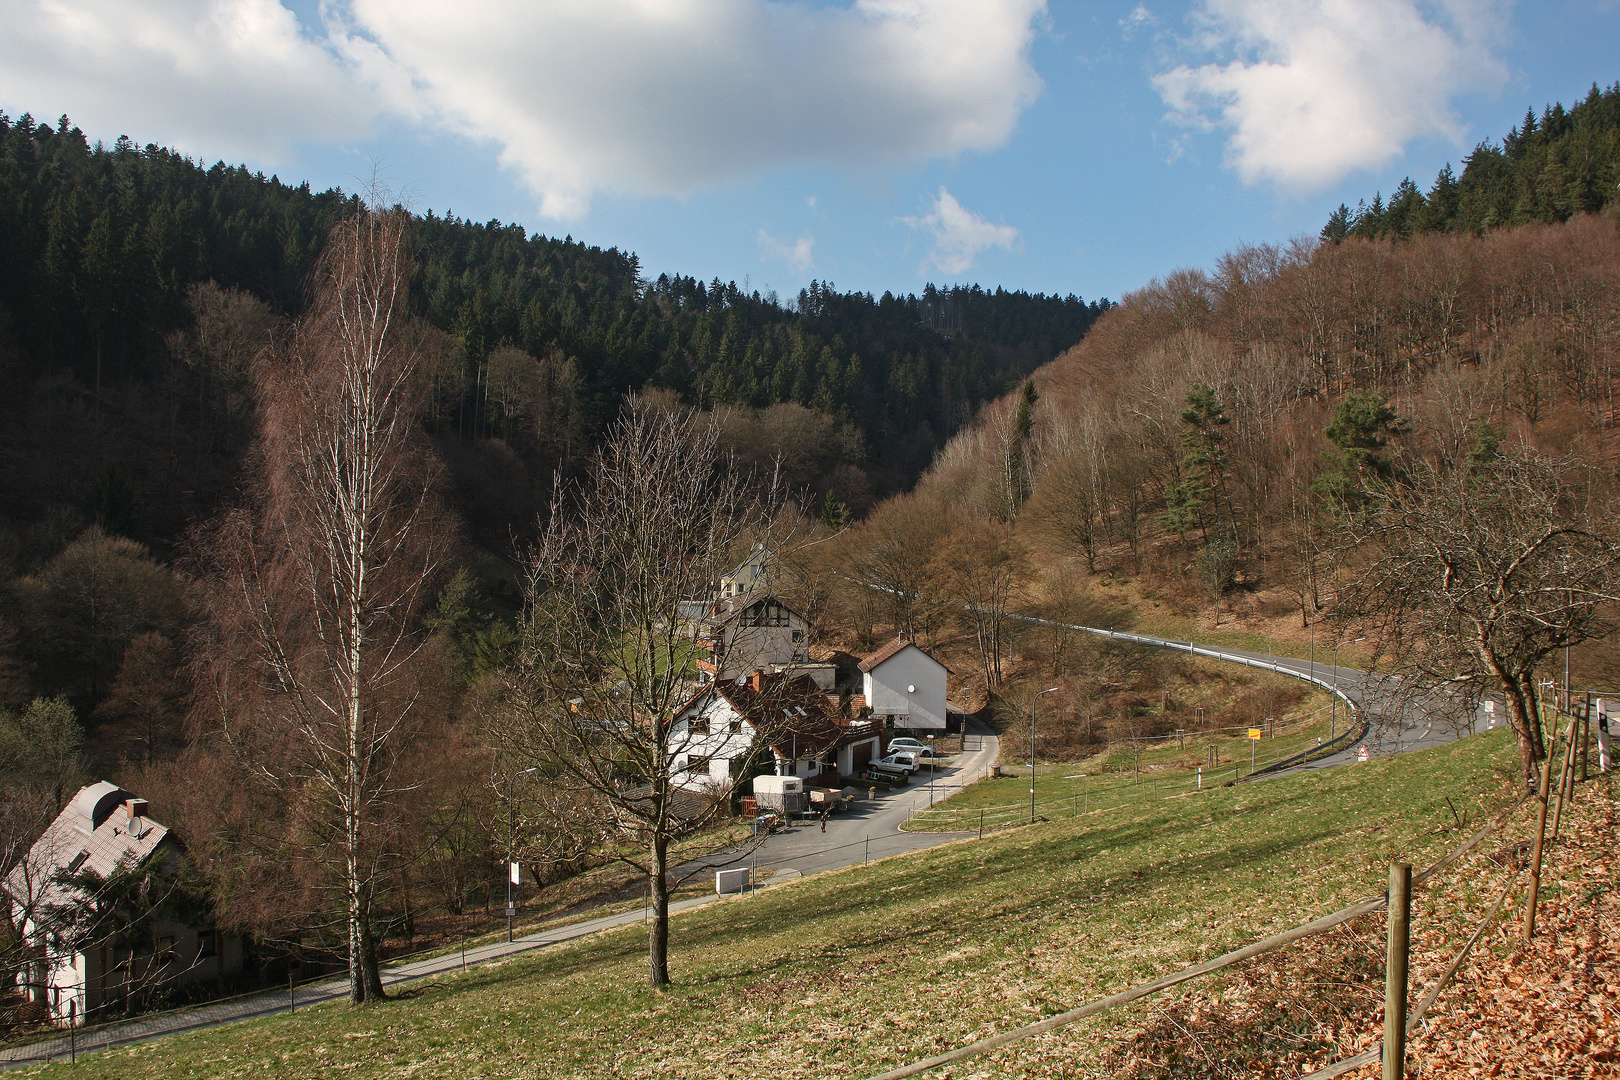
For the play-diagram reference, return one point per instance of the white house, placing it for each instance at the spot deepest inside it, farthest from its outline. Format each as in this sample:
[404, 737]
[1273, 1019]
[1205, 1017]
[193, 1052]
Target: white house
[752, 632]
[905, 687]
[103, 829]
[730, 724]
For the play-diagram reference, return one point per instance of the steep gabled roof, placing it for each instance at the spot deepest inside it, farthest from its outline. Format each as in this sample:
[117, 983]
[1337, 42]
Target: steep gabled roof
[893, 649]
[726, 610]
[796, 717]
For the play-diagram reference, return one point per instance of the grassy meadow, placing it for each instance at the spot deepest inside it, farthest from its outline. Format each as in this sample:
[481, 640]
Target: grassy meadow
[852, 972]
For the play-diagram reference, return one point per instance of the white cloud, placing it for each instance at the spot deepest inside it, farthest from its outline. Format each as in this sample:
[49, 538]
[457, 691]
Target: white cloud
[797, 254]
[1311, 90]
[1139, 18]
[960, 235]
[233, 79]
[673, 96]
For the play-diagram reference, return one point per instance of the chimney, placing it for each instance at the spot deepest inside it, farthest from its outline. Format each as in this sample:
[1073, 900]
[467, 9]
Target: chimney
[136, 809]
[756, 681]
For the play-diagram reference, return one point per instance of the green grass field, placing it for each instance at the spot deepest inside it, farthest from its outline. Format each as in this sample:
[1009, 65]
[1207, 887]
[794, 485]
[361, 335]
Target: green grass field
[852, 972]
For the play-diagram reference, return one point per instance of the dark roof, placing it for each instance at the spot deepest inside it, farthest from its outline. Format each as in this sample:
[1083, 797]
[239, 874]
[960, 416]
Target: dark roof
[793, 713]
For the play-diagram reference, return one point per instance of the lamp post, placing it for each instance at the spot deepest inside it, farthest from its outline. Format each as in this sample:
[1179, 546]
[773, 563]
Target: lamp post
[1333, 703]
[511, 844]
[1032, 701]
[930, 770]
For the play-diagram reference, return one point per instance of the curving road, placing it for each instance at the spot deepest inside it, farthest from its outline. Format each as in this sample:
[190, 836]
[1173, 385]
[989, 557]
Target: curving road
[1390, 718]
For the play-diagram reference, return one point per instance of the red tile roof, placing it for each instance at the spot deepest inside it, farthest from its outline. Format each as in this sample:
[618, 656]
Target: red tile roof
[886, 652]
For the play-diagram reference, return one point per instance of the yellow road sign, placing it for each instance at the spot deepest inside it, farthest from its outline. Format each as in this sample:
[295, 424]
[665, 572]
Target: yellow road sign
[1254, 733]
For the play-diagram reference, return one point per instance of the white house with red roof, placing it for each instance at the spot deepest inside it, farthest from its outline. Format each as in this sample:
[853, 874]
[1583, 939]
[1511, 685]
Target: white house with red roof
[721, 730]
[905, 687]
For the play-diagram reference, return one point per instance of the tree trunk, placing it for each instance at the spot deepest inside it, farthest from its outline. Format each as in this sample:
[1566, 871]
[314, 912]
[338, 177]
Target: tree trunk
[1523, 715]
[658, 932]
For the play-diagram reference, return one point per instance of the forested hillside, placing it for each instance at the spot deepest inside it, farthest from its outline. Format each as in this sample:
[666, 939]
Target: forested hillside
[134, 284]
[1548, 169]
[1199, 461]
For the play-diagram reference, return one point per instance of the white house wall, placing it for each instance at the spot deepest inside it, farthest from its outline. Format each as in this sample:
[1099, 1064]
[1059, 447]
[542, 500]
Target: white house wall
[721, 745]
[888, 694]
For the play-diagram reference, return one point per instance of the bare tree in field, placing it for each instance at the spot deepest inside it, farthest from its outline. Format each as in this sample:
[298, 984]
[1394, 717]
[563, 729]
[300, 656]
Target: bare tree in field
[315, 676]
[1473, 573]
[605, 665]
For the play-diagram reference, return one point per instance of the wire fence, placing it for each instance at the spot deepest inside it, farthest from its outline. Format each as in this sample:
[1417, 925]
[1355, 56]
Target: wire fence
[1276, 941]
[1295, 747]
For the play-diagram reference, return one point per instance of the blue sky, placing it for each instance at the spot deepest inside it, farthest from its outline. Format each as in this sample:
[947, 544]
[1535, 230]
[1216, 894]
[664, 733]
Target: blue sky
[878, 144]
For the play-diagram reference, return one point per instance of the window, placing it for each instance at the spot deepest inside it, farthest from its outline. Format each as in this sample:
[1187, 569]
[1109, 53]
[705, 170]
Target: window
[165, 949]
[699, 725]
[205, 943]
[736, 727]
[798, 635]
[697, 764]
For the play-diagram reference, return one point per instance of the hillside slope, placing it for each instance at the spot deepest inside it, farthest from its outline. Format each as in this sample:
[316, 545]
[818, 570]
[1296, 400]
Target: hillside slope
[849, 973]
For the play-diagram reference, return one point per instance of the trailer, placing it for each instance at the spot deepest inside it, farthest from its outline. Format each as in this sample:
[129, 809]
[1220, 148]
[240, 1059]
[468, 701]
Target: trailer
[783, 794]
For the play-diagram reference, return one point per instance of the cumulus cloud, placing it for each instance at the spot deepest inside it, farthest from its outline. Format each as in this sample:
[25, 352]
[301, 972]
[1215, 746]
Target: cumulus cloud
[797, 253]
[673, 96]
[1310, 90]
[237, 79]
[960, 236]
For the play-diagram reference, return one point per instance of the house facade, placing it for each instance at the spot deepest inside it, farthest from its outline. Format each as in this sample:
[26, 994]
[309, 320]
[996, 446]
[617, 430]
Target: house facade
[102, 830]
[781, 723]
[752, 632]
[905, 687]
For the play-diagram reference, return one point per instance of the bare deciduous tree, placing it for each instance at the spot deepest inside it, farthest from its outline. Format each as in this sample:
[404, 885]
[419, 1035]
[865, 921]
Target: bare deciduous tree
[315, 675]
[605, 665]
[1472, 575]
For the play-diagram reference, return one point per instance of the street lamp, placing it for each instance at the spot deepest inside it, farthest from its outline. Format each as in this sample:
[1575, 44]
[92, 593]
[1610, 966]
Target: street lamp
[511, 845]
[1032, 701]
[930, 770]
[1333, 703]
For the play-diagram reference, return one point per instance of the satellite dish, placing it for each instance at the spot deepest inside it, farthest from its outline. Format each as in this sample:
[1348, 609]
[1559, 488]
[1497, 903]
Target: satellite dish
[910, 689]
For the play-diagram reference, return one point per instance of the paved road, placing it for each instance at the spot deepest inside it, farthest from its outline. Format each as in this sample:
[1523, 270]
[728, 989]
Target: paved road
[870, 831]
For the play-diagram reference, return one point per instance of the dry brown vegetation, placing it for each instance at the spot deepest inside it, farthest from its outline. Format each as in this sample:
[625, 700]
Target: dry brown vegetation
[1504, 340]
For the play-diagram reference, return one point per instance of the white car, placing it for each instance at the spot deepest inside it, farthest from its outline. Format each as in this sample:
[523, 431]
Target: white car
[906, 744]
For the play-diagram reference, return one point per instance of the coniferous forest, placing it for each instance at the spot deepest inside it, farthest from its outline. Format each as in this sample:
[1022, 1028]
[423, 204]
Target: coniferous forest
[1547, 169]
[135, 284]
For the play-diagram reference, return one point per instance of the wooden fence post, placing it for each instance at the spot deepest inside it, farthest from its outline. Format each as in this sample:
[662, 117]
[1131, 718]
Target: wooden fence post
[1395, 970]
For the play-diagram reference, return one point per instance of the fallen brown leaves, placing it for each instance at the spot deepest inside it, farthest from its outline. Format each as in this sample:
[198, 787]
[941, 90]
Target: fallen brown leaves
[1547, 1010]
[1552, 1008]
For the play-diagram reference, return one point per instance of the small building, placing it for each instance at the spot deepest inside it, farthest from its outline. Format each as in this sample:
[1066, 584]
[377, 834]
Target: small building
[777, 723]
[102, 830]
[753, 632]
[905, 687]
[753, 575]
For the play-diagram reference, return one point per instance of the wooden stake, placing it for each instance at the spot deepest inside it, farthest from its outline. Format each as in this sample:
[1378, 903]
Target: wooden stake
[1395, 970]
[1535, 851]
